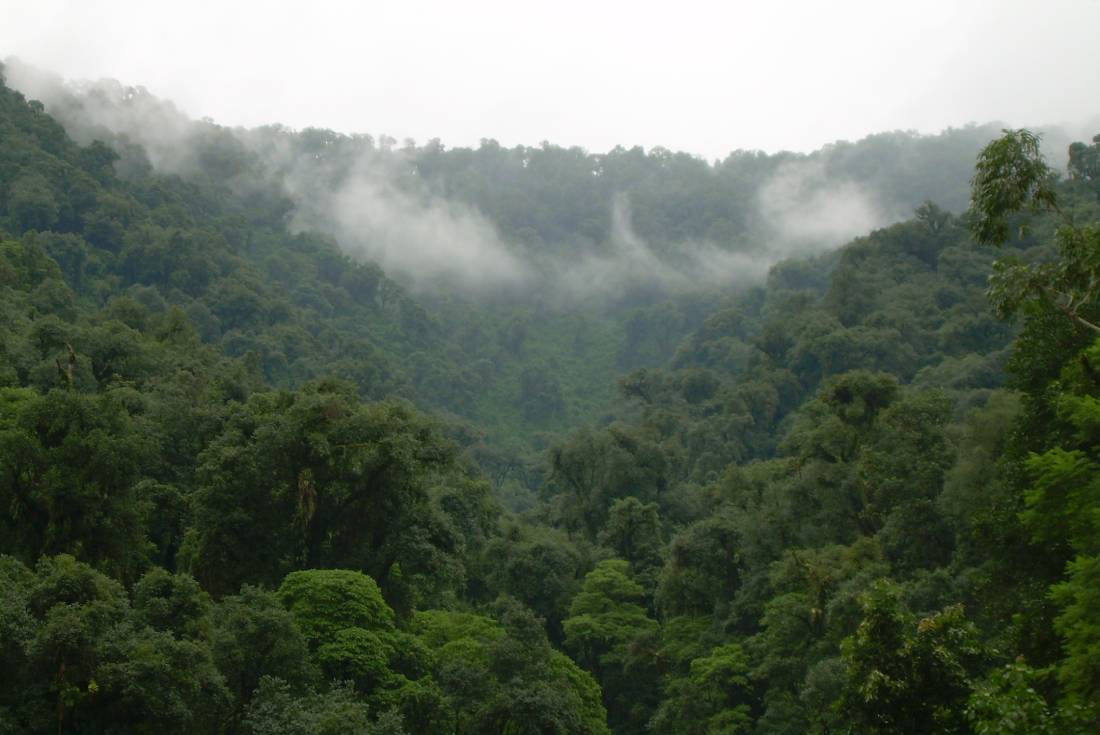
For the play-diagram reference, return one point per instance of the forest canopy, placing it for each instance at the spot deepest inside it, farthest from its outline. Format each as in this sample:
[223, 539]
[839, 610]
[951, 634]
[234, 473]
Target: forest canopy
[259, 477]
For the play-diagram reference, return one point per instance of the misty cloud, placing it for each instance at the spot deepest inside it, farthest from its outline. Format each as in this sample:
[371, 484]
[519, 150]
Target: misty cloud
[105, 109]
[427, 241]
[370, 200]
[801, 211]
[416, 237]
[629, 263]
[808, 212]
[419, 238]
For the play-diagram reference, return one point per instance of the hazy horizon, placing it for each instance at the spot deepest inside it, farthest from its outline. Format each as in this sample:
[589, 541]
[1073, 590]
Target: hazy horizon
[706, 81]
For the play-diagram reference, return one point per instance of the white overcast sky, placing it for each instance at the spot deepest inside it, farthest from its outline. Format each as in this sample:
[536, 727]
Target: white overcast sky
[705, 77]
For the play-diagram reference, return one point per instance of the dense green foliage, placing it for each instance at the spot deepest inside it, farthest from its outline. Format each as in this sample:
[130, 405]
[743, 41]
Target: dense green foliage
[249, 484]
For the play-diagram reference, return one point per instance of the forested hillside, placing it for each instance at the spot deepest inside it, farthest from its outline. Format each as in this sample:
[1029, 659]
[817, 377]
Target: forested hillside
[303, 432]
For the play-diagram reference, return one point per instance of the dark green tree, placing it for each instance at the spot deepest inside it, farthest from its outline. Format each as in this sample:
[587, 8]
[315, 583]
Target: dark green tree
[909, 675]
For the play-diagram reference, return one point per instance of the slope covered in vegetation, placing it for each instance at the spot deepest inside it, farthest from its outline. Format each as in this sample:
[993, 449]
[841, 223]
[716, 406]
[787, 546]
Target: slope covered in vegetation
[250, 484]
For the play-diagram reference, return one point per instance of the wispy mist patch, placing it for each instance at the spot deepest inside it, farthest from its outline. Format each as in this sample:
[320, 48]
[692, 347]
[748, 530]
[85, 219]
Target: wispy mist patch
[628, 264]
[800, 211]
[371, 200]
[415, 236]
[108, 110]
[807, 212]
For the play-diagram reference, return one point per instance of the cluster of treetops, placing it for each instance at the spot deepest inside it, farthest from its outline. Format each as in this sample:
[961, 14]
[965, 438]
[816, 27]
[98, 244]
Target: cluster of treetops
[860, 497]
